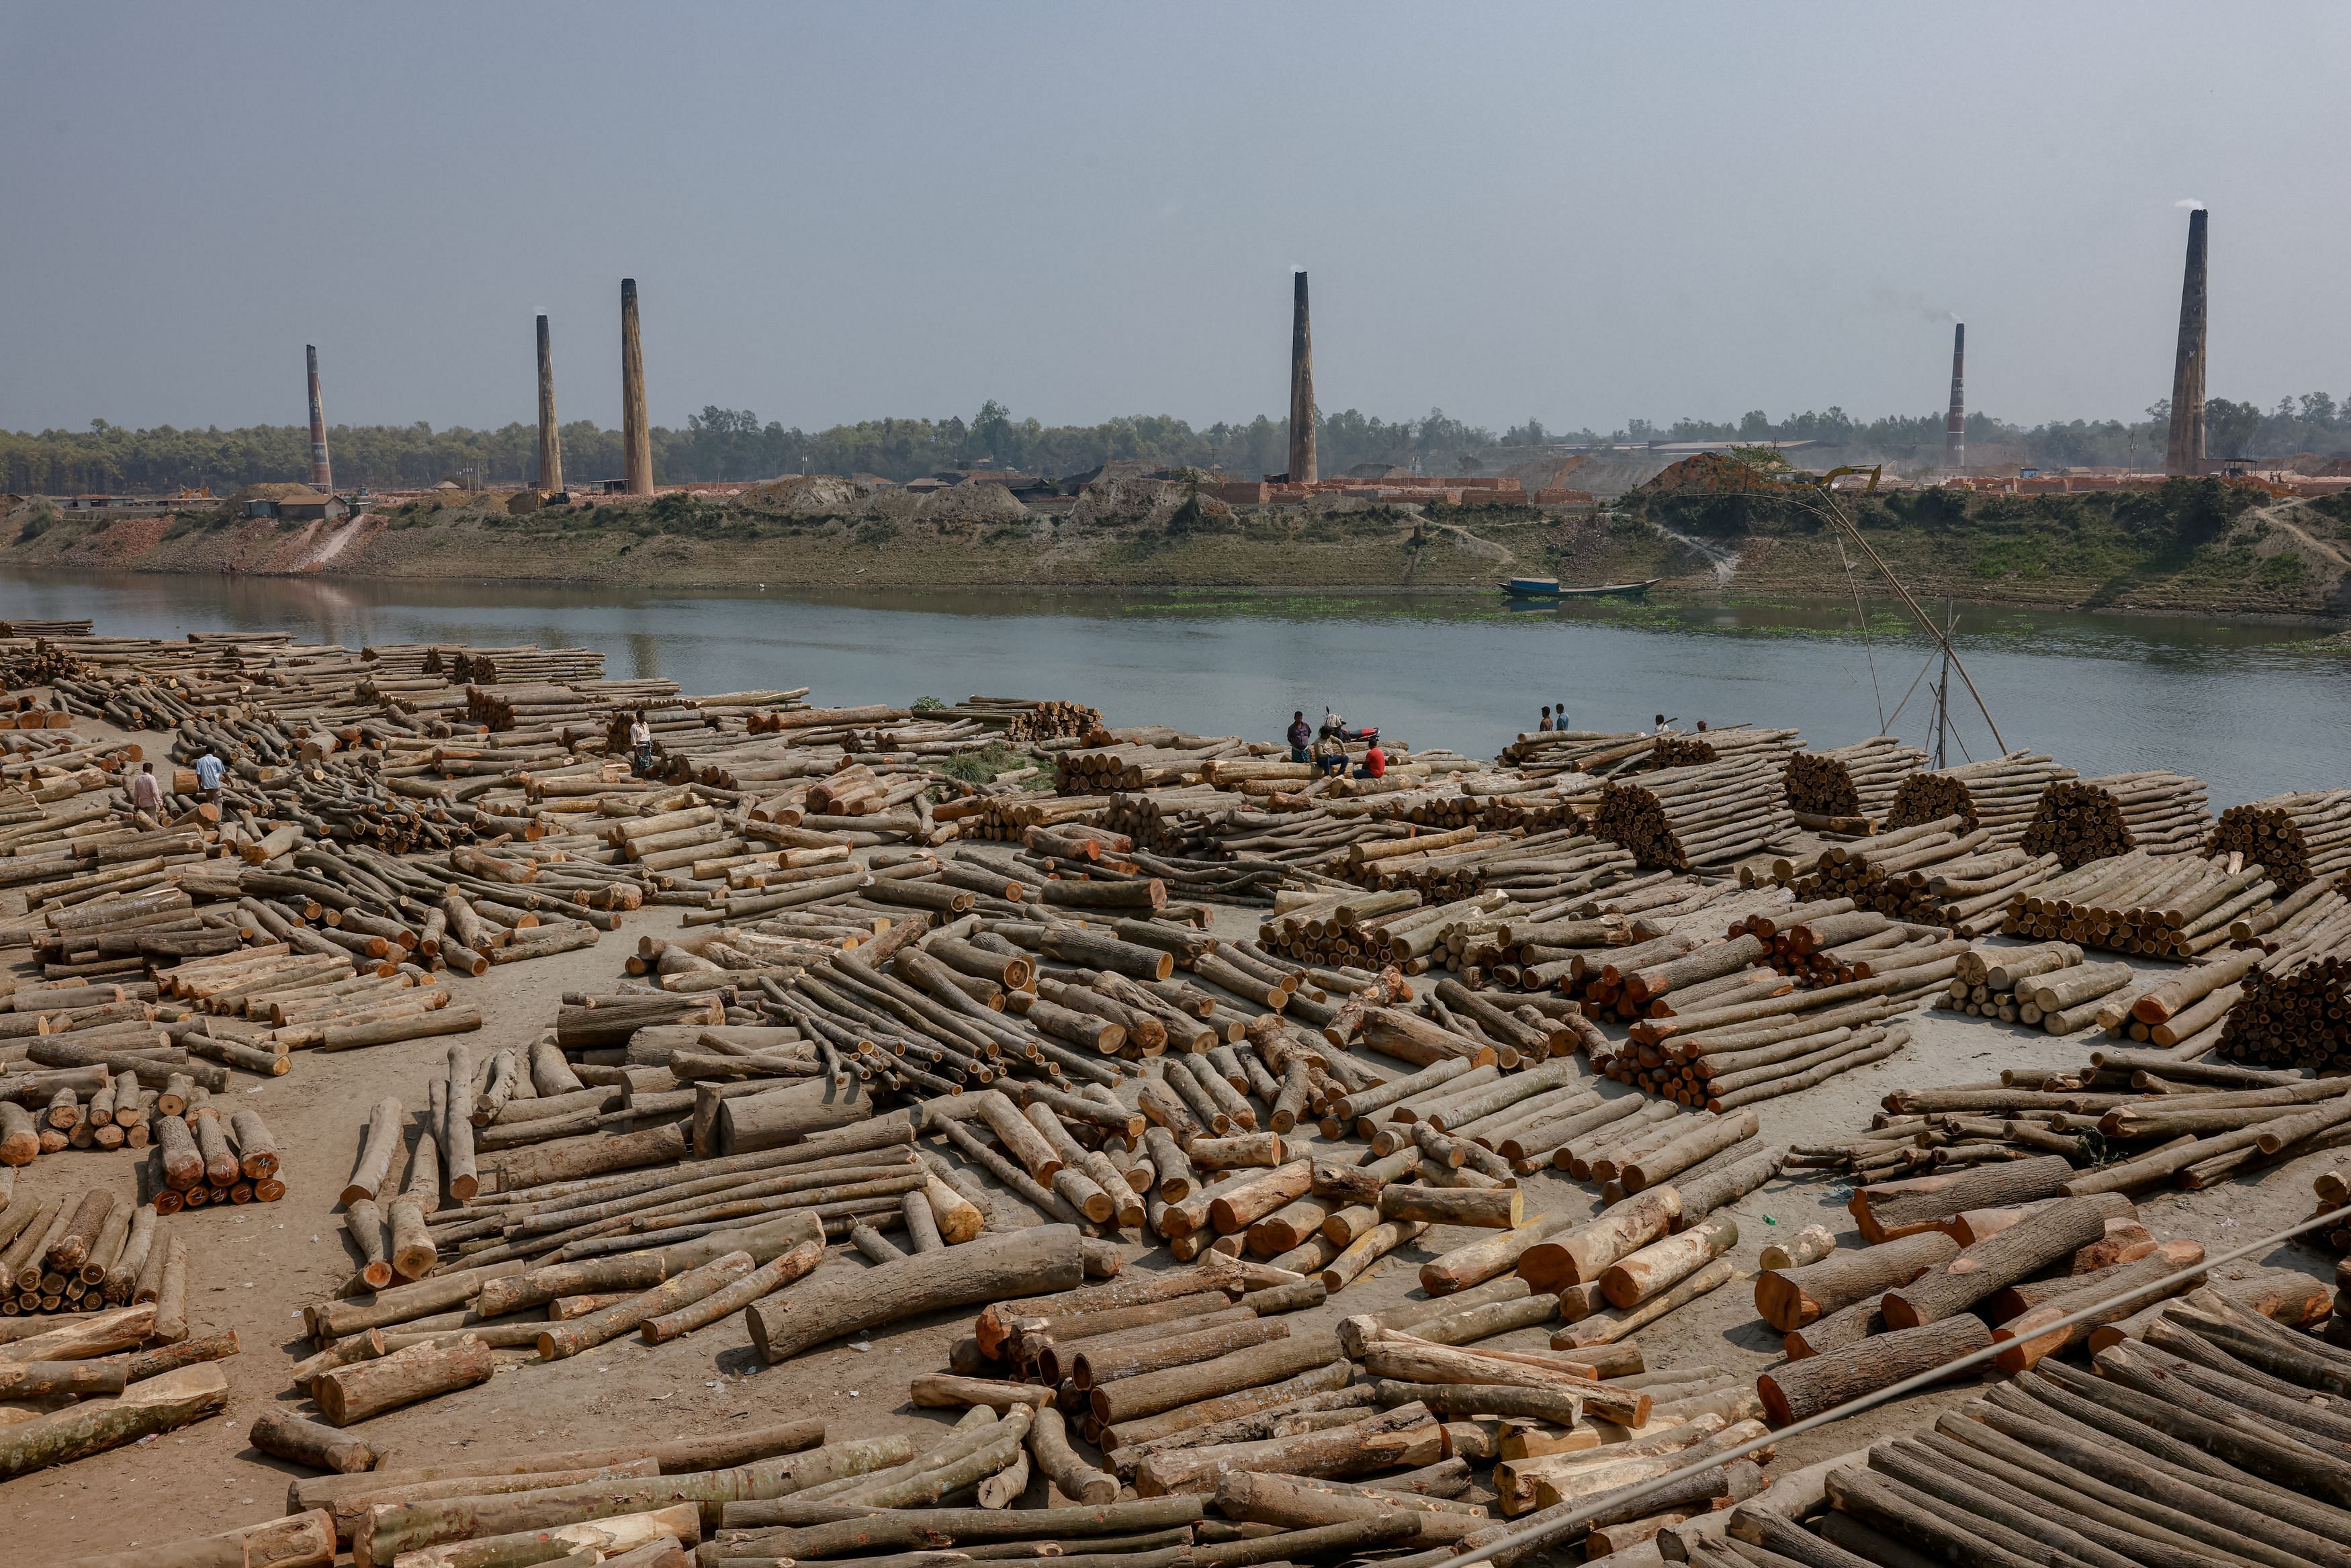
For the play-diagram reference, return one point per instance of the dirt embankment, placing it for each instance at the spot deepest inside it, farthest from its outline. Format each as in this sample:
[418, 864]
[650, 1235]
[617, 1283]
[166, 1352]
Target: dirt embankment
[2291, 558]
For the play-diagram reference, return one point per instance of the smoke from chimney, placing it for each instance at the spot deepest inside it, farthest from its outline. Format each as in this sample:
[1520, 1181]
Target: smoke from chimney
[1301, 386]
[2184, 451]
[1955, 425]
[322, 472]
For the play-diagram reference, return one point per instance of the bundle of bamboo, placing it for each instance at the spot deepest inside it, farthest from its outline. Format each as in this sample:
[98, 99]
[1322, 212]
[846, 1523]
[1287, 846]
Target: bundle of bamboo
[2000, 794]
[2300, 837]
[1596, 752]
[2156, 812]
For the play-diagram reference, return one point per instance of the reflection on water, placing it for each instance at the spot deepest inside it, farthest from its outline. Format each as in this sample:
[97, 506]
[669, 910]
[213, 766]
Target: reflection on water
[2245, 704]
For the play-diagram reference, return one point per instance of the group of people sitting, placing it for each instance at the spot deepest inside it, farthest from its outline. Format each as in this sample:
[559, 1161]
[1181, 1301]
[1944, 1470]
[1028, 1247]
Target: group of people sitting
[1327, 751]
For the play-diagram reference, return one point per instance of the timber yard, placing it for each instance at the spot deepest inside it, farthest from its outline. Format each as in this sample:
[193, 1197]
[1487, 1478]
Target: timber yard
[466, 1103]
[462, 1113]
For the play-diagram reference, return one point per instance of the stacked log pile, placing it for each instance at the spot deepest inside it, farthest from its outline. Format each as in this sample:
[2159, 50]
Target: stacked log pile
[1136, 759]
[1708, 813]
[2294, 1009]
[2301, 837]
[1598, 754]
[84, 1250]
[522, 662]
[2193, 1434]
[2000, 794]
[2170, 906]
[1938, 873]
[1020, 720]
[2135, 1119]
[1735, 743]
[2082, 820]
[1849, 788]
[112, 1377]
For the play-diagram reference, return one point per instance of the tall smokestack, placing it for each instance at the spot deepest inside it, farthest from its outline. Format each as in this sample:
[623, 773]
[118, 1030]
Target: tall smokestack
[1955, 425]
[637, 438]
[322, 472]
[1301, 389]
[550, 445]
[2185, 451]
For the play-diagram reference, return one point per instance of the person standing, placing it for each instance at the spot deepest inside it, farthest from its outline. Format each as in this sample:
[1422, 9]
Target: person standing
[1302, 736]
[641, 743]
[1546, 727]
[1560, 713]
[210, 772]
[147, 794]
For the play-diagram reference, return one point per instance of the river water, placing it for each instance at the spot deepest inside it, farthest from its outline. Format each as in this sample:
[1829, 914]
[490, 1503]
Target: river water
[2252, 708]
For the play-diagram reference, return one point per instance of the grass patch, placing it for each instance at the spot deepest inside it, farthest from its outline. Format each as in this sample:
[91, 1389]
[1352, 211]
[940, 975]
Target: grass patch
[982, 766]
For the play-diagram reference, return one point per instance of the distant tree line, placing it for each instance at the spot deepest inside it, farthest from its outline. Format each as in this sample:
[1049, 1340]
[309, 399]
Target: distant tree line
[734, 443]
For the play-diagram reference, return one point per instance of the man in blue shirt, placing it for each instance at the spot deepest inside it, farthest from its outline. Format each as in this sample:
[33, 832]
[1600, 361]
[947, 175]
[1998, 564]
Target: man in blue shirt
[1302, 735]
[209, 771]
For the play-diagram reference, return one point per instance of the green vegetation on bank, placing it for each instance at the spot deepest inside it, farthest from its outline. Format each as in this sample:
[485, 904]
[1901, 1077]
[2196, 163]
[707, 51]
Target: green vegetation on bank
[721, 444]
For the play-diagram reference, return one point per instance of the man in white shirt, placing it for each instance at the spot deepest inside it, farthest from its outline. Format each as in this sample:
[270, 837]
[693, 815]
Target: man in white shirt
[641, 743]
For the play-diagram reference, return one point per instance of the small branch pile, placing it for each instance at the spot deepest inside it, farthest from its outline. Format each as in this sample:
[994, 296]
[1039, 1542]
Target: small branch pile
[2000, 794]
[2160, 812]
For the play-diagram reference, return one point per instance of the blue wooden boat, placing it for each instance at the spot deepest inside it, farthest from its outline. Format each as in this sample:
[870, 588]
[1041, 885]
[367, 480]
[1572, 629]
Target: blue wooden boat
[1549, 589]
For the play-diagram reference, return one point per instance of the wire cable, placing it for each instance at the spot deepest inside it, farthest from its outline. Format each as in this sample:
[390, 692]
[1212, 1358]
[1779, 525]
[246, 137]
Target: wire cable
[1862, 610]
[1558, 1529]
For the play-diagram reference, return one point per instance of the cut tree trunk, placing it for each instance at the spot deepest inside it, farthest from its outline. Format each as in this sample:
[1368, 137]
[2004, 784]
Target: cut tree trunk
[94, 1425]
[990, 1268]
[1806, 1387]
[288, 1436]
[354, 1393]
[1789, 1299]
[2023, 1250]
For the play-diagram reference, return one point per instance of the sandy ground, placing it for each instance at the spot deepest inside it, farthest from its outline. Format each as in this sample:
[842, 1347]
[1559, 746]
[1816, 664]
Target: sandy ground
[254, 1267]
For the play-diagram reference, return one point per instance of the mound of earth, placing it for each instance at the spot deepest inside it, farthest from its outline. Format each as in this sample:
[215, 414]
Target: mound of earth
[971, 504]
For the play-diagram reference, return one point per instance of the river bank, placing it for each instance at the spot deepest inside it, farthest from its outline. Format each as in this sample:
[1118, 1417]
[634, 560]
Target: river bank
[2291, 560]
[2252, 703]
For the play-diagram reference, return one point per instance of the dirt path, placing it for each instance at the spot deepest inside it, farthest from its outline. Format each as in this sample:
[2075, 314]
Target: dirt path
[2275, 516]
[255, 1267]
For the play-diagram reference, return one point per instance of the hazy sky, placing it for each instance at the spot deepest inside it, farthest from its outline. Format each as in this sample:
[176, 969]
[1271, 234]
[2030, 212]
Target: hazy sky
[1084, 210]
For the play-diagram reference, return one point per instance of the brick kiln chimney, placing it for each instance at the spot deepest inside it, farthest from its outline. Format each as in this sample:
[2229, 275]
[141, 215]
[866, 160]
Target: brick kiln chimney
[2185, 451]
[322, 472]
[1301, 389]
[550, 445]
[1955, 424]
[637, 438]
